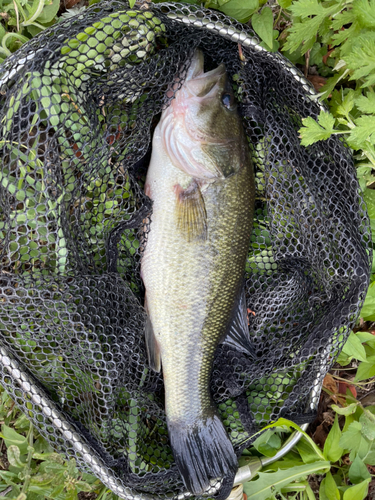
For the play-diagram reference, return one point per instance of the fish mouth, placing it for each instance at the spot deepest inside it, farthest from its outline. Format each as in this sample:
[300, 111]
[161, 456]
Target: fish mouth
[201, 84]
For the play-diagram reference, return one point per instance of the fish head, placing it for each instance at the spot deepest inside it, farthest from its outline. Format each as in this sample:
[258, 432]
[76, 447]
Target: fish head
[203, 132]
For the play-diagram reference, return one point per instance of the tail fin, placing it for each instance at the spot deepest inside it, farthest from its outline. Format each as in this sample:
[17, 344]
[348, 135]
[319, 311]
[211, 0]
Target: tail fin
[202, 452]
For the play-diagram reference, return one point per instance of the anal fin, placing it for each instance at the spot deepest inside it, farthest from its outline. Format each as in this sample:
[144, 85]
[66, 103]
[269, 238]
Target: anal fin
[152, 346]
[238, 330]
[191, 211]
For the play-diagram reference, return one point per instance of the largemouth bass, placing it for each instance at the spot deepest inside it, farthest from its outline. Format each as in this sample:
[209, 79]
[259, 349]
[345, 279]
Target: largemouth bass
[201, 181]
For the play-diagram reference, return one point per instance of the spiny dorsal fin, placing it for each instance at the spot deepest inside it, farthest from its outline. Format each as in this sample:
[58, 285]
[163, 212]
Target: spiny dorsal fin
[191, 211]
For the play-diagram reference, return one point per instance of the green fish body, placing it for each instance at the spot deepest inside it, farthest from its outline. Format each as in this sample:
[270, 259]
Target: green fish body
[201, 182]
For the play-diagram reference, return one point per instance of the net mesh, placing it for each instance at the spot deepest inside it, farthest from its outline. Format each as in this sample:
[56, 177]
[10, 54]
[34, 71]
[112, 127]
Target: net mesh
[79, 104]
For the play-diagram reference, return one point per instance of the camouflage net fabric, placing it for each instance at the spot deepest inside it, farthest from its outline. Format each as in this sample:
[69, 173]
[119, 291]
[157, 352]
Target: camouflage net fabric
[79, 104]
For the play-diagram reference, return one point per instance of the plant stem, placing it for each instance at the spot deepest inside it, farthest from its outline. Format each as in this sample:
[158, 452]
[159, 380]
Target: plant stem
[35, 15]
[9, 35]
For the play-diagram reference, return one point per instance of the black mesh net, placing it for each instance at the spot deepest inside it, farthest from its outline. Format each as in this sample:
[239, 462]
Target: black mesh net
[79, 104]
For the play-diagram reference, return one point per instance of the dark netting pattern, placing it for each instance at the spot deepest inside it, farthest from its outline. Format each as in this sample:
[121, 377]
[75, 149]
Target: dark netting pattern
[79, 104]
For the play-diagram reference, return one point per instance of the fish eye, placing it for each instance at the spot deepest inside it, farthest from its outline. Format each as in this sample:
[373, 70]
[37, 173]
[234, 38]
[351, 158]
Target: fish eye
[228, 100]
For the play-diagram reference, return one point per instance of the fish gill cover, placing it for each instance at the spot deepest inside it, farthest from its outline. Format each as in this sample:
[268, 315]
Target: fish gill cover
[79, 105]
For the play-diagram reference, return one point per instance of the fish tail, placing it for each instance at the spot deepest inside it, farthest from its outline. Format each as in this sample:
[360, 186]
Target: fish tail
[202, 452]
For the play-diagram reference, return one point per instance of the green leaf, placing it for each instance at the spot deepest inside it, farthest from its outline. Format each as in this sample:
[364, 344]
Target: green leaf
[351, 437]
[132, 3]
[42, 446]
[342, 103]
[361, 58]
[307, 8]
[357, 492]
[83, 486]
[369, 196]
[13, 454]
[239, 9]
[366, 337]
[365, 370]
[302, 33]
[35, 30]
[364, 11]
[367, 419]
[49, 12]
[348, 410]
[2, 32]
[308, 454]
[328, 489]
[358, 471]
[22, 422]
[366, 104]
[313, 14]
[354, 440]
[263, 25]
[313, 131]
[370, 458]
[332, 449]
[332, 82]
[288, 423]
[285, 4]
[43, 479]
[11, 437]
[353, 347]
[267, 483]
[363, 131]
[59, 488]
[268, 443]
[343, 359]
[368, 309]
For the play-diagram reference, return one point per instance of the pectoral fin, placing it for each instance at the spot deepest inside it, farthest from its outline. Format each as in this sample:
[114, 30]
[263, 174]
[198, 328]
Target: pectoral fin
[238, 330]
[152, 346]
[191, 211]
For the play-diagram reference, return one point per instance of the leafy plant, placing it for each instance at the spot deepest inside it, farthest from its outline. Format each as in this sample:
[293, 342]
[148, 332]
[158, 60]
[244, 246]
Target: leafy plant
[346, 33]
[348, 451]
[23, 19]
[35, 472]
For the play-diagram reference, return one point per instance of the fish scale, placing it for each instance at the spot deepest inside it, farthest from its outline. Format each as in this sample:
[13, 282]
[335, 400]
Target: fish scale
[193, 276]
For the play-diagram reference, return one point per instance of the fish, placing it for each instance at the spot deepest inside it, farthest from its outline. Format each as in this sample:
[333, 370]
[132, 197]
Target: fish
[201, 183]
